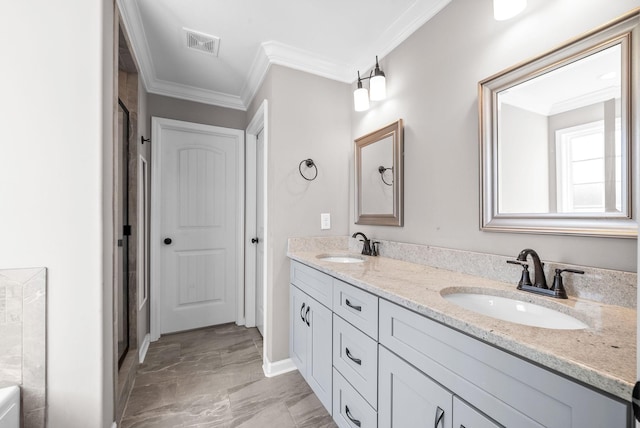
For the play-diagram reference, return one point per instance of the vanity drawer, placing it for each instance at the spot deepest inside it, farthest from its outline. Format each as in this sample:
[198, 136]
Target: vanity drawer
[357, 306]
[350, 410]
[355, 356]
[313, 282]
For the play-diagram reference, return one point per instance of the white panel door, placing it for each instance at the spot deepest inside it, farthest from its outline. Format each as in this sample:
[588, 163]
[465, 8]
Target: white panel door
[260, 298]
[199, 225]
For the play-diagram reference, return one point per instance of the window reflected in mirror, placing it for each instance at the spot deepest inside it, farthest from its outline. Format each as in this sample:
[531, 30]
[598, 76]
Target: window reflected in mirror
[572, 118]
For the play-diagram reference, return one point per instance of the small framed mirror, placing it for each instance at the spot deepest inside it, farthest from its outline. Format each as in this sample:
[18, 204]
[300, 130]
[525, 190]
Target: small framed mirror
[379, 176]
[557, 134]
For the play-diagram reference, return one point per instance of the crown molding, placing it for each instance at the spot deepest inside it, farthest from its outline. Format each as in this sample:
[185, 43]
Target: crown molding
[400, 30]
[130, 17]
[271, 52]
[257, 73]
[300, 59]
[193, 93]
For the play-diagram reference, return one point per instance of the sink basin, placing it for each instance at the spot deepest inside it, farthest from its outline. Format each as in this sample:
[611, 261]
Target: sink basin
[516, 311]
[341, 258]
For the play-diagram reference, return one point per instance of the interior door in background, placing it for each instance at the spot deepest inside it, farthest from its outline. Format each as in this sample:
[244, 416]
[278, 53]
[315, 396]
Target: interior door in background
[260, 298]
[199, 225]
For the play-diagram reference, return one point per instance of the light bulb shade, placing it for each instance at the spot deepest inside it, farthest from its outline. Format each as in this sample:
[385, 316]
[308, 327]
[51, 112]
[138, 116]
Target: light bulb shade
[506, 9]
[378, 87]
[361, 99]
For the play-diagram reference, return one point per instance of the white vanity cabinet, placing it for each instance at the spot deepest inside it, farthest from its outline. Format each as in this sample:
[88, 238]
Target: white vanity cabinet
[511, 391]
[311, 330]
[376, 363]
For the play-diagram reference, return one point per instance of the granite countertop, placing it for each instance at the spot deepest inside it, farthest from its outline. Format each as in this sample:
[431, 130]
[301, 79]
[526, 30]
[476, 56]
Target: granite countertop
[602, 356]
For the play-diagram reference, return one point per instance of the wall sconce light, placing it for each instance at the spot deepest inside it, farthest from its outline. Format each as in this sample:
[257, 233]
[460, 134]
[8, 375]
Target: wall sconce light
[377, 89]
[506, 9]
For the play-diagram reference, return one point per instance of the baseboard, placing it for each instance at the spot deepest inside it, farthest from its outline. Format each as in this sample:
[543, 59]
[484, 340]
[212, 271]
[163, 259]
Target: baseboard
[142, 353]
[277, 368]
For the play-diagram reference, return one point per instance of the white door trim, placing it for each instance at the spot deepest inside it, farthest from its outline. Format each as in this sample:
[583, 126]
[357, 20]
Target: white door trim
[258, 123]
[157, 125]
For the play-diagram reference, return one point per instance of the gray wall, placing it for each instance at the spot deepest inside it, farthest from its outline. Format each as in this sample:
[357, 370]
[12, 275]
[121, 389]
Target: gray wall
[55, 190]
[189, 111]
[523, 160]
[432, 82]
[309, 117]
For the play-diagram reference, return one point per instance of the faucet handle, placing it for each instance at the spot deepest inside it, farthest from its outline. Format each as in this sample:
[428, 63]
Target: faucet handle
[558, 286]
[525, 279]
[374, 248]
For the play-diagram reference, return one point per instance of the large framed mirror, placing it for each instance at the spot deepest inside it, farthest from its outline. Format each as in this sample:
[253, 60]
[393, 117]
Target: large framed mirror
[558, 135]
[379, 175]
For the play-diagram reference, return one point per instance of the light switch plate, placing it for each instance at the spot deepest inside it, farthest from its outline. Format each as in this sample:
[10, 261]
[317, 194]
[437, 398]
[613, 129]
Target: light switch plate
[325, 221]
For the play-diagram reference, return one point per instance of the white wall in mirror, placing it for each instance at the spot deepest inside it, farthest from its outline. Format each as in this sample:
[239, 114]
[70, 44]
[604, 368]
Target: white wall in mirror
[377, 184]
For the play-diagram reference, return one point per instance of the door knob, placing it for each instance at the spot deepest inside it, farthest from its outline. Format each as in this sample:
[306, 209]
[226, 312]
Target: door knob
[167, 241]
[254, 240]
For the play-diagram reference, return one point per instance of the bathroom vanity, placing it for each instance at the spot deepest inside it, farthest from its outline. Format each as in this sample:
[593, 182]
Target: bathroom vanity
[381, 347]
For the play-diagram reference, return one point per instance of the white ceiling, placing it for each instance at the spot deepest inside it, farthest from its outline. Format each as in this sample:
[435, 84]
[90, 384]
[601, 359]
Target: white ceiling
[571, 86]
[330, 38]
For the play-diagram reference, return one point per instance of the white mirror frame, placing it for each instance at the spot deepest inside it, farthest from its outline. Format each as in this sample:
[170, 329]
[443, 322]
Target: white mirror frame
[394, 130]
[624, 30]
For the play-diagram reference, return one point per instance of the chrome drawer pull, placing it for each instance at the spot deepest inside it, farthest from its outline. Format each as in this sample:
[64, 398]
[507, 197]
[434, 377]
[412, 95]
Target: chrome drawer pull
[358, 361]
[355, 421]
[354, 307]
[439, 416]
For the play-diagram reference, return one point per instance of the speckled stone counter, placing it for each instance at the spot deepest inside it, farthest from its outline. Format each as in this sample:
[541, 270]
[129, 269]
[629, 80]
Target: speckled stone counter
[602, 356]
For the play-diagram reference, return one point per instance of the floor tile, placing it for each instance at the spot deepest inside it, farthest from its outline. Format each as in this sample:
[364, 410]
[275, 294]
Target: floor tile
[213, 378]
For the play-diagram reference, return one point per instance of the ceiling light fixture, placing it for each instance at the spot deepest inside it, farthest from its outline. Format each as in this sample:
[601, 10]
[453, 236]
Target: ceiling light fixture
[506, 9]
[377, 89]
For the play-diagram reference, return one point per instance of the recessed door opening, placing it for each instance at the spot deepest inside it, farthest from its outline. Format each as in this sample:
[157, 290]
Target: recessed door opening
[122, 288]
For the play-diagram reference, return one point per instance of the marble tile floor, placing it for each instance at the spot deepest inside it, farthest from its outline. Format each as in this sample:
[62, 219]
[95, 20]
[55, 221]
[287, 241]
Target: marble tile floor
[213, 377]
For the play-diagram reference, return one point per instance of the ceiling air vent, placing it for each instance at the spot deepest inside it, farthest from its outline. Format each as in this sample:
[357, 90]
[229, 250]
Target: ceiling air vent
[202, 42]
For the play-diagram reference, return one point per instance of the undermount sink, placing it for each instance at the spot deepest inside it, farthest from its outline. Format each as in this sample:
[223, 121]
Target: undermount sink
[341, 258]
[516, 311]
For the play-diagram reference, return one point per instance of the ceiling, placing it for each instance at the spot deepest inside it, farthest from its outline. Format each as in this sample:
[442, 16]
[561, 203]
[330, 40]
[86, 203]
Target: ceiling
[329, 38]
[591, 79]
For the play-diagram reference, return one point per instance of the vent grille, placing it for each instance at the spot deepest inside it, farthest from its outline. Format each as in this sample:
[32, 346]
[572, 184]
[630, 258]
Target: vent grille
[202, 42]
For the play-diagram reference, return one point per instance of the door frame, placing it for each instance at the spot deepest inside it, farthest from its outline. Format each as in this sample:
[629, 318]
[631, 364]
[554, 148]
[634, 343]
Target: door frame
[258, 123]
[157, 125]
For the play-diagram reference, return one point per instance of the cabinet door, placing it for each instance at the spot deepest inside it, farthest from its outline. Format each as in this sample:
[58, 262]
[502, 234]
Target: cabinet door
[408, 397]
[319, 368]
[465, 416]
[298, 329]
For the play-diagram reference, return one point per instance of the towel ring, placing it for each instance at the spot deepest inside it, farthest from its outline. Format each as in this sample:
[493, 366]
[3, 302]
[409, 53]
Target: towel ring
[309, 163]
[382, 170]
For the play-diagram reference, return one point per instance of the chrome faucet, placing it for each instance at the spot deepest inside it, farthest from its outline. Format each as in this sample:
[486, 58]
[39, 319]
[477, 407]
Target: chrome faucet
[366, 247]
